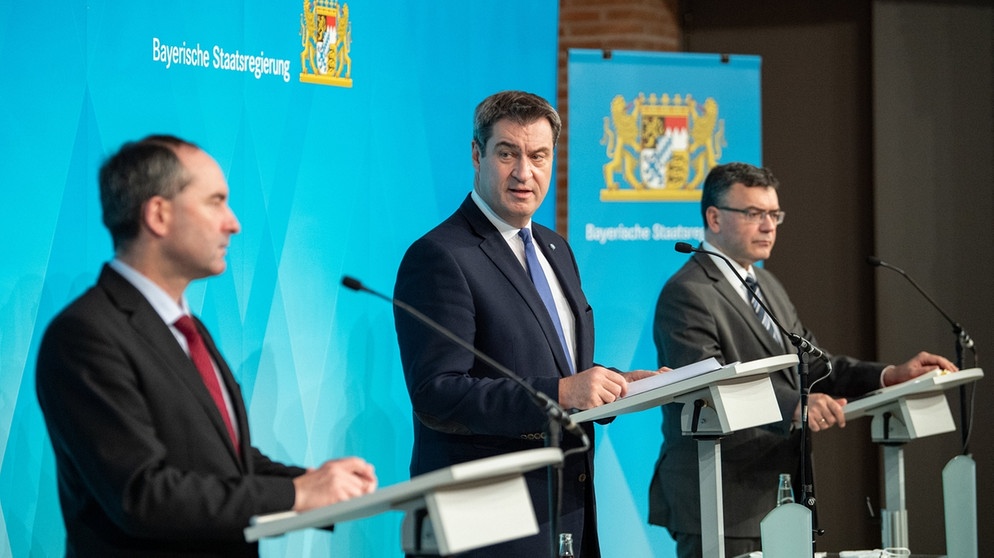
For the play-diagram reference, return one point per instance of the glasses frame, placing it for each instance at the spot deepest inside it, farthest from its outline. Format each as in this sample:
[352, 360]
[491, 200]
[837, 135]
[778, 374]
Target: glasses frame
[754, 215]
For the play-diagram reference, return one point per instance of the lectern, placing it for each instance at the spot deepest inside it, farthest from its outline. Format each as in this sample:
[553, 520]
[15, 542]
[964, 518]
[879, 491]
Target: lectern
[716, 403]
[459, 508]
[903, 412]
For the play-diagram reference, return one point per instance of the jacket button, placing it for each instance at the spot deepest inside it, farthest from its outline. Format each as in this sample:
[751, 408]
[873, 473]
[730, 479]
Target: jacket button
[582, 477]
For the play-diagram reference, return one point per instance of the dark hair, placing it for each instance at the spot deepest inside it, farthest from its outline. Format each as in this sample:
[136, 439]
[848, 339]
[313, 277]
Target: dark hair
[517, 106]
[137, 172]
[723, 177]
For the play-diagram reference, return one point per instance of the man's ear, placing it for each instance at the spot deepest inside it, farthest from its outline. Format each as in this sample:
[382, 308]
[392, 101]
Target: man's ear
[713, 218]
[477, 153]
[157, 215]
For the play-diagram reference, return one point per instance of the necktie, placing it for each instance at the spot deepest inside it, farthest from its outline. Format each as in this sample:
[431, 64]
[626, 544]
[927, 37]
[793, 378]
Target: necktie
[544, 291]
[202, 360]
[765, 318]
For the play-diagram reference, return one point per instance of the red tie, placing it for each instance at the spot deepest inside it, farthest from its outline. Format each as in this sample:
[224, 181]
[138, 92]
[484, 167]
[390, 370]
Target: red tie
[202, 360]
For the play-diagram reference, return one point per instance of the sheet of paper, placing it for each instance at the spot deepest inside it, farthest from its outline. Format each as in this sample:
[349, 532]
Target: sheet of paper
[673, 376]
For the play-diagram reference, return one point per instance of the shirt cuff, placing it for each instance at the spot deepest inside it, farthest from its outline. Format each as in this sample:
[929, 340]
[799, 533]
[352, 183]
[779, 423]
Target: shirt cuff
[882, 372]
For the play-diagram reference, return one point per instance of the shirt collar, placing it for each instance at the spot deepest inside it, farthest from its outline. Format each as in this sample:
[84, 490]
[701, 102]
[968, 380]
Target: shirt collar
[167, 308]
[505, 228]
[725, 270]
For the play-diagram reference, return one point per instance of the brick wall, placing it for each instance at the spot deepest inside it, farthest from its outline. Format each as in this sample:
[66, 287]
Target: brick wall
[646, 25]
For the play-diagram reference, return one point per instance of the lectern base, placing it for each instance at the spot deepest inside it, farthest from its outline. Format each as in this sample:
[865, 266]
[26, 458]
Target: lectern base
[787, 533]
[959, 490]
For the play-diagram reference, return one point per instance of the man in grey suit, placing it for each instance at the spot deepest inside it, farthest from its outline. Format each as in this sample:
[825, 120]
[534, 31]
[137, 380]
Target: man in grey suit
[704, 311]
[471, 274]
[150, 433]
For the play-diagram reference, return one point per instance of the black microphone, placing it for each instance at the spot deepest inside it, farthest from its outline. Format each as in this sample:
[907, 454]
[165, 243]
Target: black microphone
[963, 340]
[796, 340]
[961, 334]
[550, 407]
[802, 345]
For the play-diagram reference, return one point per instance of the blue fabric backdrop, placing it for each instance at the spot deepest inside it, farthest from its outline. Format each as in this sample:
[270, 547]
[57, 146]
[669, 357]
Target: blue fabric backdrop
[326, 179]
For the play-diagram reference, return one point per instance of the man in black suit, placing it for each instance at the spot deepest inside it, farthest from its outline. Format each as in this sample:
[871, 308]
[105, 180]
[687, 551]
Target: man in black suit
[704, 311]
[150, 433]
[471, 274]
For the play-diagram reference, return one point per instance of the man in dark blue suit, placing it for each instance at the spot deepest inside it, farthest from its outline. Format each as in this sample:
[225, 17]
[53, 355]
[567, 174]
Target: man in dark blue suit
[471, 274]
[152, 444]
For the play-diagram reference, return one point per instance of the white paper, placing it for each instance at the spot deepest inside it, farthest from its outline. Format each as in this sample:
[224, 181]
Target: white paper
[673, 376]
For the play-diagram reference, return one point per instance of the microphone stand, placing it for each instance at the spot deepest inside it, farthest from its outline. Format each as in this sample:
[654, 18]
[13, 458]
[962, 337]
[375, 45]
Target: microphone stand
[805, 350]
[963, 341]
[959, 476]
[558, 417]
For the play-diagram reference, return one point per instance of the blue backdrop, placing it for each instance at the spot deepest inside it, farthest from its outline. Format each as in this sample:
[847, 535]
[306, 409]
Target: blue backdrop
[645, 128]
[327, 179]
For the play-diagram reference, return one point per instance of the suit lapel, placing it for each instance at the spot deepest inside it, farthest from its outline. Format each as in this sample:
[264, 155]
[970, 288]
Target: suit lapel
[558, 257]
[745, 311]
[495, 248]
[561, 260]
[778, 306]
[234, 394]
[164, 349]
[734, 299]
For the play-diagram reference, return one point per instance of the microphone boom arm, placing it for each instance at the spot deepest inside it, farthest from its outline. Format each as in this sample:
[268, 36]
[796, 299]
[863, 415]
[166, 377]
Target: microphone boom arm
[963, 341]
[796, 340]
[552, 409]
[964, 338]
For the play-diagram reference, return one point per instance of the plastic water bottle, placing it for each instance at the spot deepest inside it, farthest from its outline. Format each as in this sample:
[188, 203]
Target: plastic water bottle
[785, 492]
[565, 545]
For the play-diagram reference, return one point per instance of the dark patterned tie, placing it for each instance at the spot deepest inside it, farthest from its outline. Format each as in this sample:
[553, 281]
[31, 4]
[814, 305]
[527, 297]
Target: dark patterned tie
[767, 321]
[544, 291]
[202, 360]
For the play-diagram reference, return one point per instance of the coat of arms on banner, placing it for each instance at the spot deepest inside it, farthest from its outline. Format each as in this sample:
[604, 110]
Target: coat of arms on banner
[326, 35]
[660, 148]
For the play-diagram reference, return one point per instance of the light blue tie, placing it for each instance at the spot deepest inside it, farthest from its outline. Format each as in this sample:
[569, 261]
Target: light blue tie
[544, 291]
[765, 318]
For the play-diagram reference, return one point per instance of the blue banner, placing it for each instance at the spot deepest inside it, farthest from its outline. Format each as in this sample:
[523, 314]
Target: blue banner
[644, 130]
[344, 130]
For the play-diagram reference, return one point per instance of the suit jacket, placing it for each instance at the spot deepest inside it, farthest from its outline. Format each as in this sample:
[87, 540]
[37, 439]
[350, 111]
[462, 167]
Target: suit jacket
[145, 465]
[700, 315]
[463, 275]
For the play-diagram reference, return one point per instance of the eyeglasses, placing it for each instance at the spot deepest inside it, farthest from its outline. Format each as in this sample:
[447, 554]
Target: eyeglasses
[757, 215]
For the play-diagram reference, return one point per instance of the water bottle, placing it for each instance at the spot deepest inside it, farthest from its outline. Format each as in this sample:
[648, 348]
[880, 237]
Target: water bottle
[785, 493]
[565, 545]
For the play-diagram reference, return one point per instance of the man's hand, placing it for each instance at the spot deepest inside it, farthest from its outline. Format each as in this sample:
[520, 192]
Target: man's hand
[598, 385]
[334, 481]
[591, 388]
[824, 412]
[919, 364]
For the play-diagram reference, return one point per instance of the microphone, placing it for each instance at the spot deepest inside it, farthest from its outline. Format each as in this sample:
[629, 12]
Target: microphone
[550, 407]
[802, 345]
[961, 334]
[796, 340]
